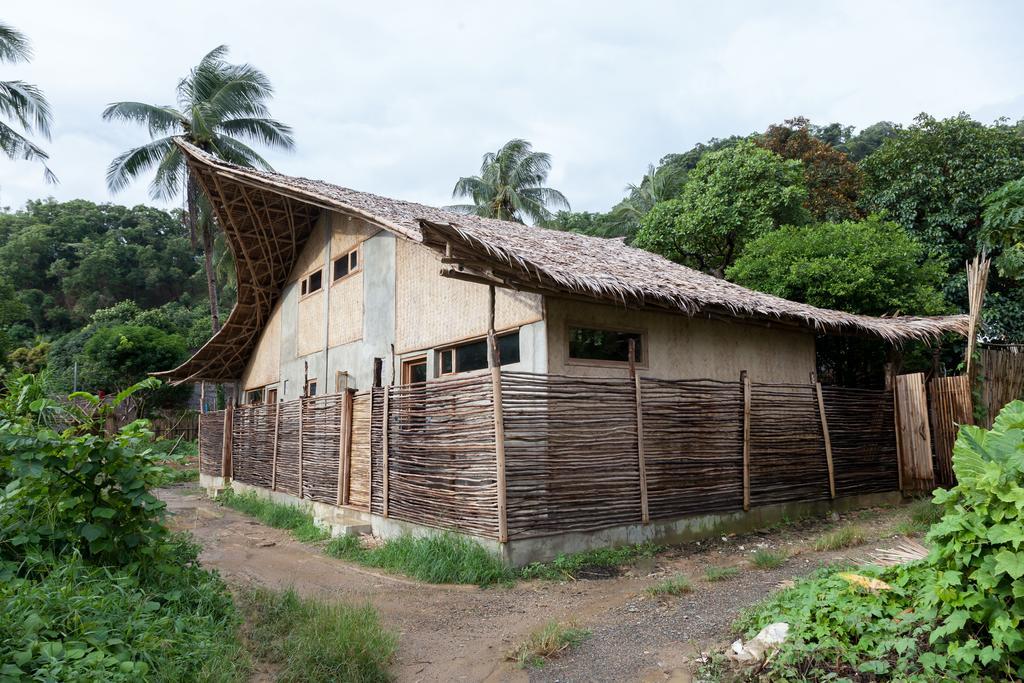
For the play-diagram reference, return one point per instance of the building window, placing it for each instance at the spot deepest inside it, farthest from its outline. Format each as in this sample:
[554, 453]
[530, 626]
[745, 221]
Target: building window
[347, 264]
[254, 396]
[414, 370]
[311, 388]
[473, 355]
[312, 282]
[589, 344]
[272, 395]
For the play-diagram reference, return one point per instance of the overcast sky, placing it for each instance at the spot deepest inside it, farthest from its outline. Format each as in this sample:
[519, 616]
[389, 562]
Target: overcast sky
[403, 98]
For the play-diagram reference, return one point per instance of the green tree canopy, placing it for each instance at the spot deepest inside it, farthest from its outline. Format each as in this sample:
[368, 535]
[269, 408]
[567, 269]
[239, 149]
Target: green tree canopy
[733, 195]
[115, 358]
[1003, 227]
[510, 186]
[872, 267]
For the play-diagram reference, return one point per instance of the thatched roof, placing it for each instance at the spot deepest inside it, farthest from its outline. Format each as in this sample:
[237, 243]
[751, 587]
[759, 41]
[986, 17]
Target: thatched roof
[268, 216]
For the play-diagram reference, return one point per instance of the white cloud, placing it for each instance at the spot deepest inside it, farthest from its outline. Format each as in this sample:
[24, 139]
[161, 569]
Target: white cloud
[401, 98]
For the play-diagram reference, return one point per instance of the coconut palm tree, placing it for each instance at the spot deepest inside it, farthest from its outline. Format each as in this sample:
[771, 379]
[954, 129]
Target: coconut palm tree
[23, 104]
[511, 186]
[220, 107]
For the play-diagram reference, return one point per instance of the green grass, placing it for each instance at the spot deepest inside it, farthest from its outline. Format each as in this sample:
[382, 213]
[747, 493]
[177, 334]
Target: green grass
[439, 558]
[296, 520]
[309, 640]
[843, 538]
[921, 514]
[768, 559]
[571, 566]
[721, 573]
[675, 585]
[546, 643]
[180, 476]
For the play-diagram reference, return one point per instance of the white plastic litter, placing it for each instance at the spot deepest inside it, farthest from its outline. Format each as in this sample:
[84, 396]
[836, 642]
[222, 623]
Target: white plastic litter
[770, 637]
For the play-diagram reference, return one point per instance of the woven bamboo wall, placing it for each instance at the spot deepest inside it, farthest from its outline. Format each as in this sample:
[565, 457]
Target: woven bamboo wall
[1003, 372]
[252, 444]
[693, 443]
[570, 452]
[288, 447]
[863, 436]
[211, 442]
[441, 459]
[359, 476]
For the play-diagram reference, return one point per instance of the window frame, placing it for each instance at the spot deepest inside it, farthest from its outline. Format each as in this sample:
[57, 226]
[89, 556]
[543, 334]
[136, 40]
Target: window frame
[304, 282]
[260, 391]
[452, 349]
[645, 347]
[351, 271]
[409, 363]
[310, 383]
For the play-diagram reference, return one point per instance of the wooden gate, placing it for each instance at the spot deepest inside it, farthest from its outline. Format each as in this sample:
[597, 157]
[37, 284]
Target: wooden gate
[912, 434]
[951, 406]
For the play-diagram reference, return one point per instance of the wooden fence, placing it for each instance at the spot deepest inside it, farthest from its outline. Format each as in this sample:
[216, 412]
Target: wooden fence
[1003, 378]
[579, 453]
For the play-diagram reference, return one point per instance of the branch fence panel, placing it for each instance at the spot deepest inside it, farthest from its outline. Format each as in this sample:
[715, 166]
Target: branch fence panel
[860, 423]
[787, 446]
[377, 450]
[288, 447]
[321, 452]
[693, 440]
[1002, 370]
[359, 475]
[570, 453]
[211, 442]
[441, 455]
[252, 445]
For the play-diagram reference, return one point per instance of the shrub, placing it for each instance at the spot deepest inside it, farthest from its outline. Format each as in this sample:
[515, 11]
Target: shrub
[550, 641]
[315, 641]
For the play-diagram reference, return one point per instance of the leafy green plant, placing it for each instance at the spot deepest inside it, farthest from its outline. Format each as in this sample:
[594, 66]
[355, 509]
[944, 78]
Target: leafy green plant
[768, 559]
[675, 585]
[550, 641]
[297, 520]
[573, 565]
[438, 558]
[721, 573]
[846, 537]
[317, 641]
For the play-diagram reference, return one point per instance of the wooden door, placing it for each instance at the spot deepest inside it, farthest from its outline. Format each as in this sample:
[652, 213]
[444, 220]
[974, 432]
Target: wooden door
[913, 437]
[951, 406]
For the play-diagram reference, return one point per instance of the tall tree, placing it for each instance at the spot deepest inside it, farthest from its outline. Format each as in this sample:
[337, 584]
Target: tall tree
[23, 105]
[220, 107]
[510, 186]
[733, 195]
[833, 181]
[1003, 228]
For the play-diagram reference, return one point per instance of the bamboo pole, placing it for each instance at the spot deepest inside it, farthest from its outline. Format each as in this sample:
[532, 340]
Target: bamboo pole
[745, 381]
[828, 441]
[273, 457]
[345, 452]
[896, 426]
[977, 278]
[494, 360]
[385, 465]
[645, 514]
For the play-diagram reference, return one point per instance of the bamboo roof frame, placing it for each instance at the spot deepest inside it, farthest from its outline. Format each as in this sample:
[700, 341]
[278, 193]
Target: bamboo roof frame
[267, 218]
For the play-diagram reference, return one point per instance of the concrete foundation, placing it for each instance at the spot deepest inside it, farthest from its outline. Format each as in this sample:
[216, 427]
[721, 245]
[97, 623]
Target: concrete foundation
[520, 552]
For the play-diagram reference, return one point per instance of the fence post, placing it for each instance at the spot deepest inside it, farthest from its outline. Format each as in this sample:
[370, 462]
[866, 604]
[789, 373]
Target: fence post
[273, 457]
[828, 441]
[302, 427]
[745, 381]
[494, 361]
[645, 514]
[345, 448]
[385, 465]
[225, 463]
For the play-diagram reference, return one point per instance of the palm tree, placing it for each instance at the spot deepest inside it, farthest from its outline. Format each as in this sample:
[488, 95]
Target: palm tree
[220, 107]
[510, 186]
[23, 104]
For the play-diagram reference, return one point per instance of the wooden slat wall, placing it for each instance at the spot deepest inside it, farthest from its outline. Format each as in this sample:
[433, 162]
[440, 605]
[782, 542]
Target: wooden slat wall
[787, 447]
[441, 455]
[913, 434]
[211, 442]
[863, 435]
[359, 478]
[1003, 379]
[253, 445]
[321, 447]
[571, 453]
[951, 406]
[288, 447]
[693, 442]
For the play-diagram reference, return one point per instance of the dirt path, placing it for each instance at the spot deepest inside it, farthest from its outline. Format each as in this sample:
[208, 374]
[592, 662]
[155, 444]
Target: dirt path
[461, 633]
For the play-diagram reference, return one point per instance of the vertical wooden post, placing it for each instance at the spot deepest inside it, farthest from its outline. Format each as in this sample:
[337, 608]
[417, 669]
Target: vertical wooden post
[273, 457]
[302, 428]
[345, 448]
[494, 361]
[199, 442]
[745, 381]
[385, 465]
[645, 515]
[828, 441]
[225, 463]
[898, 430]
